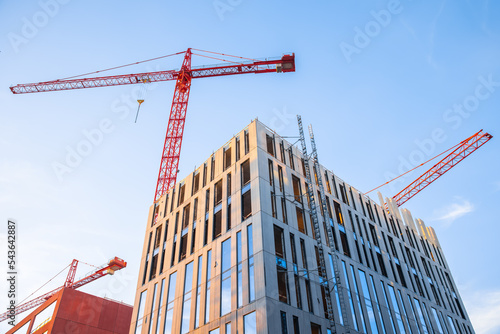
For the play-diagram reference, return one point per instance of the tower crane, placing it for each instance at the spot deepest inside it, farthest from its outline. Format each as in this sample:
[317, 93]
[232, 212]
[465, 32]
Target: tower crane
[107, 269]
[460, 151]
[167, 174]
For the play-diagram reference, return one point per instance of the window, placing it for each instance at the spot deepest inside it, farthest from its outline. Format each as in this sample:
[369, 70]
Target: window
[250, 323]
[158, 317]
[282, 151]
[388, 307]
[315, 328]
[214, 331]
[228, 328]
[328, 187]
[273, 205]
[279, 242]
[227, 158]
[290, 156]
[156, 253]
[308, 283]
[237, 148]
[225, 297]
[140, 312]
[207, 207]
[182, 191]
[338, 213]
[167, 327]
[284, 327]
[164, 247]
[239, 276]
[204, 174]
[195, 216]
[296, 272]
[246, 194]
[345, 244]
[196, 182]
[198, 293]
[358, 299]
[247, 141]
[343, 193]
[335, 286]
[280, 178]
[251, 277]
[212, 168]
[172, 201]
[228, 189]
[408, 315]
[147, 259]
[271, 172]
[303, 163]
[270, 144]
[351, 298]
[281, 265]
[186, 308]
[207, 292]
[217, 224]
[296, 327]
[283, 209]
[300, 220]
[368, 302]
[395, 307]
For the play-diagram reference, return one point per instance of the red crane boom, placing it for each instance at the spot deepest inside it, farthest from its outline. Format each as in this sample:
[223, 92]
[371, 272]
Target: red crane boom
[167, 174]
[109, 268]
[465, 148]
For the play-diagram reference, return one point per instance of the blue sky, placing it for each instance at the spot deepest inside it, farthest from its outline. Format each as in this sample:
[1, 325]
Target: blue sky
[385, 84]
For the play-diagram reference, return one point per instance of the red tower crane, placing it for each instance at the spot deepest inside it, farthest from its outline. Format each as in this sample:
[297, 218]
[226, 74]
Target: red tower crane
[107, 269]
[173, 140]
[464, 149]
[459, 153]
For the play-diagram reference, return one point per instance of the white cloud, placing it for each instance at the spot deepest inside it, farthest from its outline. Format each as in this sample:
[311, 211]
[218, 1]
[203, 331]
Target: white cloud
[452, 212]
[483, 308]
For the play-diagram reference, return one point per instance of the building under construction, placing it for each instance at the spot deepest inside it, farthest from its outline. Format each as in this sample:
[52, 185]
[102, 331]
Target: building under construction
[247, 243]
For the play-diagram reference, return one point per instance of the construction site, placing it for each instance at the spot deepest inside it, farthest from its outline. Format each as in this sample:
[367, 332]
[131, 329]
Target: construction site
[294, 219]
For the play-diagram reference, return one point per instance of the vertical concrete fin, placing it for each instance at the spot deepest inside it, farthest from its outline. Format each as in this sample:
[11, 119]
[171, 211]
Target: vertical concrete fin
[381, 200]
[409, 219]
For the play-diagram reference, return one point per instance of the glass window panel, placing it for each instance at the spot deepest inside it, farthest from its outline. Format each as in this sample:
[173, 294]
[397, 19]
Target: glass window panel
[368, 302]
[226, 277]
[436, 318]
[249, 323]
[351, 299]
[186, 308]
[358, 298]
[158, 317]
[239, 276]
[388, 307]
[167, 328]
[152, 309]
[251, 278]
[395, 307]
[421, 316]
[341, 318]
[207, 294]
[140, 312]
